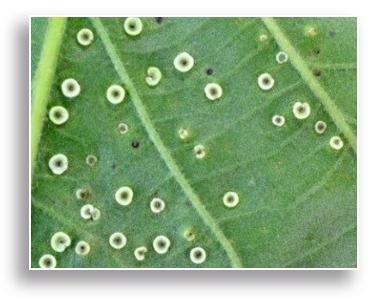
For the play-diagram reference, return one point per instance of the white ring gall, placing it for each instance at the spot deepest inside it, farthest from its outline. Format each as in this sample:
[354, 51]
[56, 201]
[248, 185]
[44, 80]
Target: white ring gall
[47, 261]
[231, 199]
[59, 241]
[95, 215]
[336, 143]
[118, 240]
[140, 253]
[91, 160]
[82, 248]
[153, 76]
[263, 38]
[115, 94]
[58, 164]
[58, 115]
[310, 31]
[301, 110]
[320, 127]
[161, 244]
[133, 26]
[85, 37]
[198, 255]
[157, 205]
[82, 193]
[183, 133]
[89, 212]
[122, 128]
[189, 235]
[265, 81]
[70, 88]
[278, 120]
[124, 195]
[183, 62]
[86, 211]
[281, 57]
[213, 91]
[199, 151]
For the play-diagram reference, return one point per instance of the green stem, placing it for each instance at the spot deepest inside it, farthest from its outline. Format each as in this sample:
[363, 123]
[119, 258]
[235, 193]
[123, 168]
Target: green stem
[43, 79]
[303, 69]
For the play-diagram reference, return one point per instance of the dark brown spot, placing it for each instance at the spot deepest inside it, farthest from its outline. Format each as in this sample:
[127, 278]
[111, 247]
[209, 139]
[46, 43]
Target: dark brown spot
[132, 26]
[57, 114]
[184, 62]
[135, 144]
[70, 87]
[209, 71]
[158, 20]
[84, 193]
[230, 199]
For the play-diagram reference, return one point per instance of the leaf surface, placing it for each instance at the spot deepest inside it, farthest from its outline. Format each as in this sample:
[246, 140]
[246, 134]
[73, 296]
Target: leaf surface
[297, 196]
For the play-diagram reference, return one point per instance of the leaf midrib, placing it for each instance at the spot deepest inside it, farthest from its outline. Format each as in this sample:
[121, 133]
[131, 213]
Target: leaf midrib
[161, 148]
[301, 66]
[43, 79]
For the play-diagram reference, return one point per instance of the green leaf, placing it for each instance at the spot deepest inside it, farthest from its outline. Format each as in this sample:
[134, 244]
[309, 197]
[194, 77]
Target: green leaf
[297, 195]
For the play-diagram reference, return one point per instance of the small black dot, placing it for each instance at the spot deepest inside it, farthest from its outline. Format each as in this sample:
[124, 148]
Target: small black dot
[135, 144]
[209, 71]
[158, 20]
[317, 51]
[317, 73]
